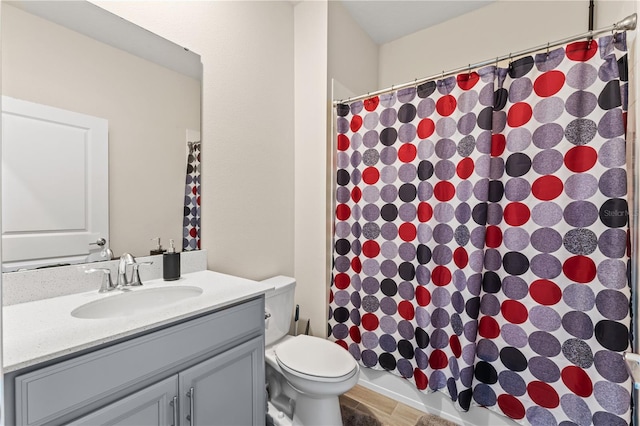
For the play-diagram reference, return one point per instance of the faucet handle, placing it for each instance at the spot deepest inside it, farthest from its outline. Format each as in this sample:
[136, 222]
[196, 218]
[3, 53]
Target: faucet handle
[106, 284]
[135, 276]
[127, 259]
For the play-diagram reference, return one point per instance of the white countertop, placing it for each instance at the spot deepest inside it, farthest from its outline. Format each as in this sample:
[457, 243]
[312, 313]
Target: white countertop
[43, 330]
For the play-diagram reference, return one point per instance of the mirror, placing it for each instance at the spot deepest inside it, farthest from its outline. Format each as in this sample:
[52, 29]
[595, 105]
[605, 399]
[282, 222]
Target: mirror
[78, 57]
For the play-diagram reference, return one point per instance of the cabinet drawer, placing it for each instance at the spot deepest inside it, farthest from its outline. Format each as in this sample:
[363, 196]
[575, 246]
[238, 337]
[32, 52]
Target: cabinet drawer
[52, 392]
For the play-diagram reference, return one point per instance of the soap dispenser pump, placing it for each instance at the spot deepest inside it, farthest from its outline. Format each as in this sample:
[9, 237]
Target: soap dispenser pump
[158, 249]
[171, 263]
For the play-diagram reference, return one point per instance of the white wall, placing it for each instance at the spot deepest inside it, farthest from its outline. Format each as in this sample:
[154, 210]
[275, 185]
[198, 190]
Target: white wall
[353, 56]
[247, 125]
[311, 118]
[494, 30]
[2, 390]
[326, 42]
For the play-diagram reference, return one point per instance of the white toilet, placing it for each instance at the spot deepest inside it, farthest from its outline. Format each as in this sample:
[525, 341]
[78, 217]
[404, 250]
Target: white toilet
[305, 374]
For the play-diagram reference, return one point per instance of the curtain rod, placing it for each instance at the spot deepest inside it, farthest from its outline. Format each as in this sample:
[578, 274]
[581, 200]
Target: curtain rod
[628, 23]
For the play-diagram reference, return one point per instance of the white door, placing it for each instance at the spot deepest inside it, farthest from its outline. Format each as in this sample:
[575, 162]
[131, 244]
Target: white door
[55, 185]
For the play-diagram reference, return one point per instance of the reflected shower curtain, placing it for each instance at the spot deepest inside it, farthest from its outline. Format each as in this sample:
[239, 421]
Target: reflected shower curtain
[191, 213]
[480, 243]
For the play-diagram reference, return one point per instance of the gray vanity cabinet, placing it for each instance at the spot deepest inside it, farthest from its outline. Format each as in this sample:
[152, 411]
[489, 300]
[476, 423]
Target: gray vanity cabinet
[213, 392]
[152, 406]
[203, 371]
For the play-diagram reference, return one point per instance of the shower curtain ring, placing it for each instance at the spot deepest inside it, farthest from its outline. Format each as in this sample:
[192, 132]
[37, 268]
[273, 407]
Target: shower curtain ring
[469, 71]
[547, 49]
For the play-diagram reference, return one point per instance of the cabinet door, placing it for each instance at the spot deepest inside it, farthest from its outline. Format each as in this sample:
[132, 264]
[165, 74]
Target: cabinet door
[152, 406]
[226, 390]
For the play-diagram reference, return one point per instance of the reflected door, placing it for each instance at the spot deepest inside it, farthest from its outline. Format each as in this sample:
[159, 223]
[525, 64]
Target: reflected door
[54, 185]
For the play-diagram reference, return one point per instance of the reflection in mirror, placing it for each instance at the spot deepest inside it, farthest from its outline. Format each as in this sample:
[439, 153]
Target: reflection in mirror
[77, 58]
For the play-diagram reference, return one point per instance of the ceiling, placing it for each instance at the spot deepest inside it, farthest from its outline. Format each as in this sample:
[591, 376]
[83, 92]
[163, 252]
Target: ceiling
[387, 20]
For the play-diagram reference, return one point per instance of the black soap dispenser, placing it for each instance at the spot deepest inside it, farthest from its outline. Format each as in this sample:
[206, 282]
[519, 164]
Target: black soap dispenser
[171, 263]
[158, 249]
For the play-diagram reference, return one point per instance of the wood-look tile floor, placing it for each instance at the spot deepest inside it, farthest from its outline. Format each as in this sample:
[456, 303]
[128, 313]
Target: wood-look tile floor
[388, 411]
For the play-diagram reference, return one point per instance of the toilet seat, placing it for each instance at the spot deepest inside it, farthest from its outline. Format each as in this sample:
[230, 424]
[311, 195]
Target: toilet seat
[317, 379]
[315, 358]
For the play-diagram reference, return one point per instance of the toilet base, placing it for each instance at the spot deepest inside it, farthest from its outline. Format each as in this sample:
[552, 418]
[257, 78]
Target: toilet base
[316, 411]
[313, 402]
[278, 418]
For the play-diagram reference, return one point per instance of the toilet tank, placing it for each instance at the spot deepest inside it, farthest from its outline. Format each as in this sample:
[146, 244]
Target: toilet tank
[279, 305]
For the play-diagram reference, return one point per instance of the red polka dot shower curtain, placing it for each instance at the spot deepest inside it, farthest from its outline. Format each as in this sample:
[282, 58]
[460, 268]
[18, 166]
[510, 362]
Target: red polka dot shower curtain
[481, 228]
[191, 212]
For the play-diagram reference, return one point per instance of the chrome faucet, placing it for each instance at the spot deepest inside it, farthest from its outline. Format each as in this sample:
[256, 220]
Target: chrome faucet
[125, 259]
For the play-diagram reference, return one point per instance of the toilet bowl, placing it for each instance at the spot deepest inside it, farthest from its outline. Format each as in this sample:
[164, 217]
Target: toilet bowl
[305, 374]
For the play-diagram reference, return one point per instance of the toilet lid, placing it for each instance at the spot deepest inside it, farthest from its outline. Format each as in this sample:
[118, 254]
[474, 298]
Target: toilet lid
[315, 357]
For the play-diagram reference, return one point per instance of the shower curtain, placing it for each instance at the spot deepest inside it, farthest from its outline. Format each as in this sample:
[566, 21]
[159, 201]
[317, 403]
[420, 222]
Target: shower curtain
[191, 220]
[481, 236]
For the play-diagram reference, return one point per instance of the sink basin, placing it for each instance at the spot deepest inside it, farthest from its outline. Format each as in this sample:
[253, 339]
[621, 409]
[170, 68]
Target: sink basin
[135, 302]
